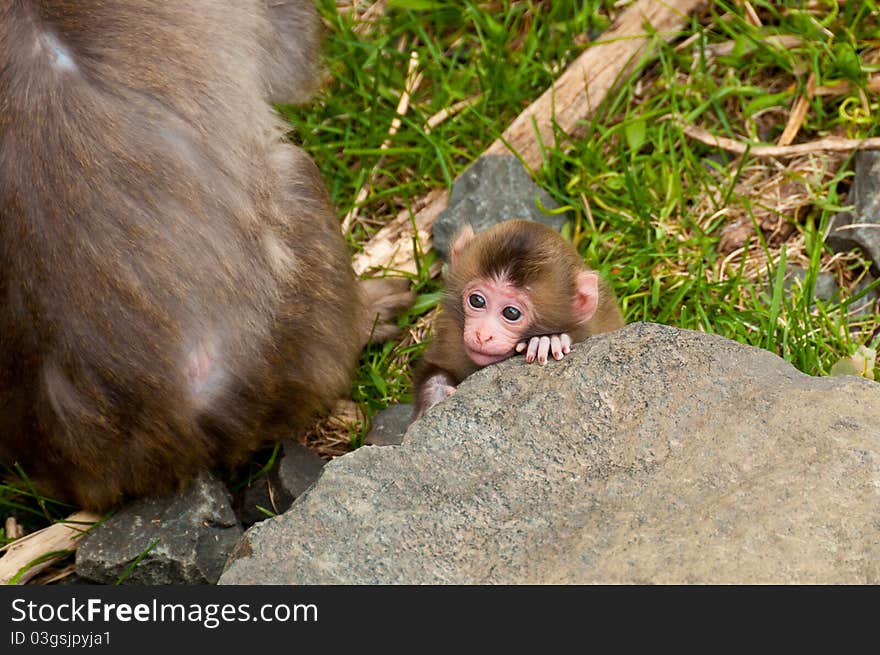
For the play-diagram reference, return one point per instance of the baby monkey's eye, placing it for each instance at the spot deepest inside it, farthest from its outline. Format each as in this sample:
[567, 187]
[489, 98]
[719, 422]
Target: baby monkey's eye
[476, 301]
[511, 313]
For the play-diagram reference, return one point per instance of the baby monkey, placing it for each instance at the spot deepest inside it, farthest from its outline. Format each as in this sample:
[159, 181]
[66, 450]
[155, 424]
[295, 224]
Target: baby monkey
[516, 287]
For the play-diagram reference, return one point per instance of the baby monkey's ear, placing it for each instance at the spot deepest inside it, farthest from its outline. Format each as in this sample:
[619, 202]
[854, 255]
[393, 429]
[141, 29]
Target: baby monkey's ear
[462, 238]
[586, 298]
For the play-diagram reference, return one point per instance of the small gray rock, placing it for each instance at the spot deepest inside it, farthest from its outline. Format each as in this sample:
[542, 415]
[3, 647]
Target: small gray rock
[867, 304]
[390, 425]
[185, 538]
[73, 580]
[865, 196]
[266, 492]
[494, 189]
[300, 467]
[296, 469]
[828, 289]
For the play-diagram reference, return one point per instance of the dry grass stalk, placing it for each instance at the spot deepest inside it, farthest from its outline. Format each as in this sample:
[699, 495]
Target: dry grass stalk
[331, 436]
[413, 79]
[364, 12]
[726, 48]
[392, 248]
[448, 112]
[751, 14]
[798, 114]
[774, 197]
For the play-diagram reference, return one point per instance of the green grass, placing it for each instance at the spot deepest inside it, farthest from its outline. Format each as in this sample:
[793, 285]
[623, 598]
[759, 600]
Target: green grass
[650, 203]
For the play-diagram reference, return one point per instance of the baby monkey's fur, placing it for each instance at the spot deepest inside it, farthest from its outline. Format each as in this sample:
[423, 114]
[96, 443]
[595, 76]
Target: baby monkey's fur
[538, 263]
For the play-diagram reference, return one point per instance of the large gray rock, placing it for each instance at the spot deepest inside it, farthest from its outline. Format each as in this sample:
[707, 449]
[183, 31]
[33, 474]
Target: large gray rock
[861, 227]
[182, 538]
[650, 455]
[495, 188]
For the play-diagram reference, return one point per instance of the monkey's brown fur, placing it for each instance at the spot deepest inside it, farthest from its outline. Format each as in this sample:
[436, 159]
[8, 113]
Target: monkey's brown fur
[157, 233]
[532, 256]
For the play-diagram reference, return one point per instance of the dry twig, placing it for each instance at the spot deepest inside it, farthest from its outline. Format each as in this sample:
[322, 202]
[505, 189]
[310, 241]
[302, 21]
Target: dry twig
[828, 144]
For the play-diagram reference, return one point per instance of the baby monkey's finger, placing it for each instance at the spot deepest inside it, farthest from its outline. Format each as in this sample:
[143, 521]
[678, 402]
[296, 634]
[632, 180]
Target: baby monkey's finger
[532, 352]
[556, 347]
[543, 349]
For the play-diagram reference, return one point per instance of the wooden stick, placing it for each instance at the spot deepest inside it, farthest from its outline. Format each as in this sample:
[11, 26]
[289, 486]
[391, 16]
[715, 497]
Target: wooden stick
[725, 48]
[589, 79]
[392, 247]
[574, 96]
[26, 557]
[828, 144]
[843, 88]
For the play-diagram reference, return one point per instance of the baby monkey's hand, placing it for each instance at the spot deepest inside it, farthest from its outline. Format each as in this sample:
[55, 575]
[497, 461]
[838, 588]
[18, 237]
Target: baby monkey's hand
[539, 347]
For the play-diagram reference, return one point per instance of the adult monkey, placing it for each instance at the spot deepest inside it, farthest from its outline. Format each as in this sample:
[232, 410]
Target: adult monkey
[174, 288]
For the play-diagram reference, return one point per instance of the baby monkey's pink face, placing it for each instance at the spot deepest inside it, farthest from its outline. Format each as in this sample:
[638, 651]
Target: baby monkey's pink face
[496, 315]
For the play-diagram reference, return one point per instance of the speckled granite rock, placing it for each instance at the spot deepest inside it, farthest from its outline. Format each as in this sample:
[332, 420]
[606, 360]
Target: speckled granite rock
[649, 455]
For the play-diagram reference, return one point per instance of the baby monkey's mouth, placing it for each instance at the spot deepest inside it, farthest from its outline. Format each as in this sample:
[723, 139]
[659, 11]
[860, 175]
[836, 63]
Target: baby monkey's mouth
[483, 358]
